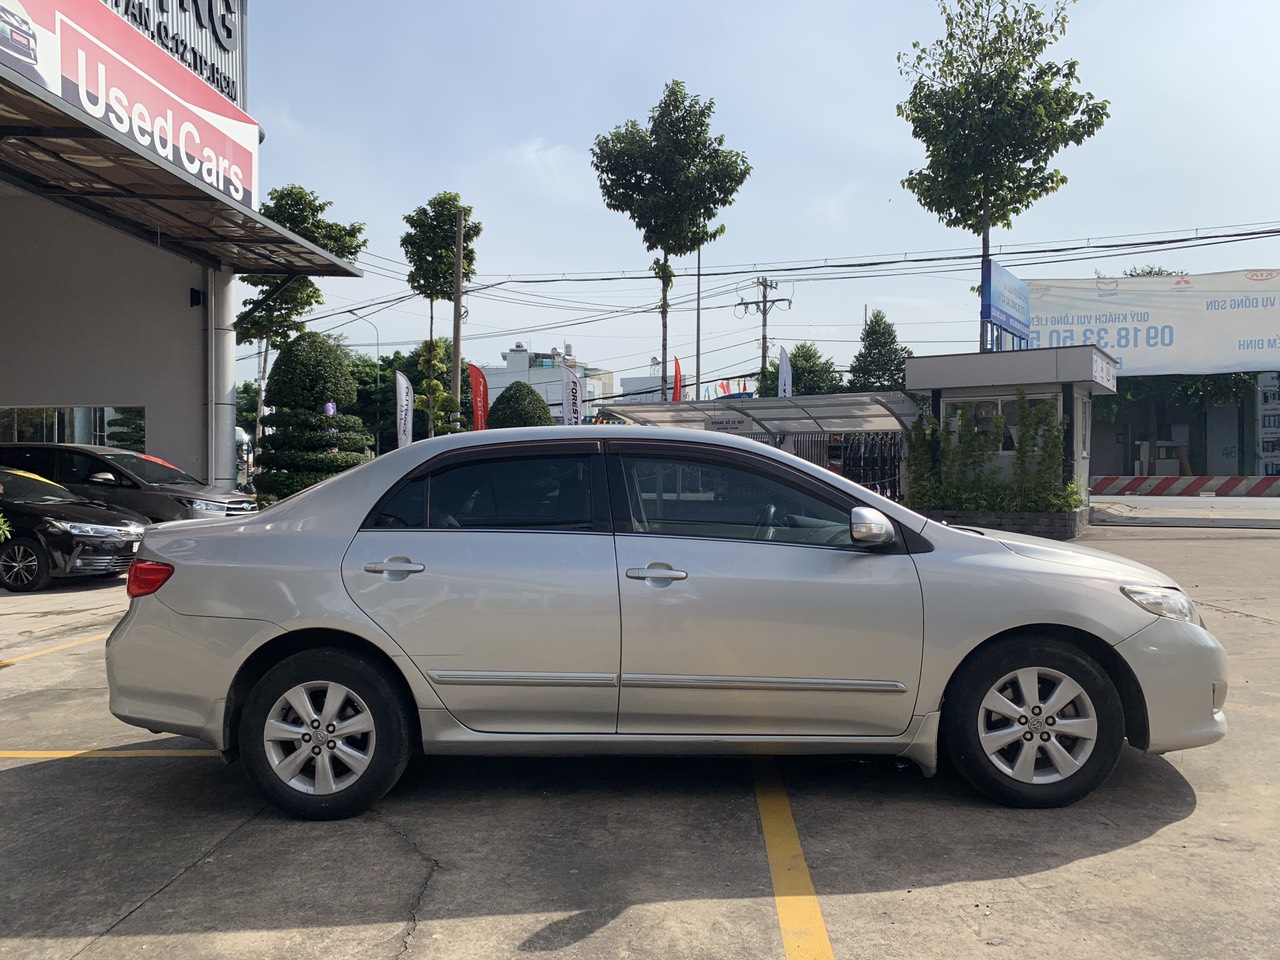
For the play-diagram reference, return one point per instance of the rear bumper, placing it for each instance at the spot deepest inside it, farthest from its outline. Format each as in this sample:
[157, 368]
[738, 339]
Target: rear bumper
[171, 673]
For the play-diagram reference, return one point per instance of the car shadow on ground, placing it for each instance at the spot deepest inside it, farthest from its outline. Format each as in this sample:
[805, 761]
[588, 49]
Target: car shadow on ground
[161, 846]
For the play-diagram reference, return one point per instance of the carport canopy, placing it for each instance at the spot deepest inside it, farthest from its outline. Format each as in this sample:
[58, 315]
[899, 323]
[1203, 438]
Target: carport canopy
[777, 416]
[96, 171]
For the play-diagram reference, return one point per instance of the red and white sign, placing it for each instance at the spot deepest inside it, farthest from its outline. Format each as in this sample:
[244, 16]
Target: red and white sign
[106, 69]
[479, 398]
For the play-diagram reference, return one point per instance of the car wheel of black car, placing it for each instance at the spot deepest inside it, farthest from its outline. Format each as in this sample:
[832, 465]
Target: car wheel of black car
[324, 734]
[1033, 723]
[24, 565]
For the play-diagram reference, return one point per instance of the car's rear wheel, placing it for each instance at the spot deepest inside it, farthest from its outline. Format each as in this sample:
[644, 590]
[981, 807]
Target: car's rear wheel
[24, 566]
[324, 734]
[1033, 723]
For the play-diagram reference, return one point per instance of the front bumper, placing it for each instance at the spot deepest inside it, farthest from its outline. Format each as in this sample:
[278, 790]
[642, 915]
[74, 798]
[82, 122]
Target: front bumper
[89, 556]
[1182, 670]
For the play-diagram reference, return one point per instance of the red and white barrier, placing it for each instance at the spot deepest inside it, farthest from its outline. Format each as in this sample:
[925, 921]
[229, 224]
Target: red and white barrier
[1185, 486]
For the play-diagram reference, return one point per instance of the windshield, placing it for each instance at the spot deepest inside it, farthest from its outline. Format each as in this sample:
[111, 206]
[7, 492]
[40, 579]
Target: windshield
[150, 469]
[28, 488]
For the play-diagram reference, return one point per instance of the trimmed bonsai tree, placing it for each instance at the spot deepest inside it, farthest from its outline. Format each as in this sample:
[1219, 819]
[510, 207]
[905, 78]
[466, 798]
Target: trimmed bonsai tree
[520, 406]
[310, 441]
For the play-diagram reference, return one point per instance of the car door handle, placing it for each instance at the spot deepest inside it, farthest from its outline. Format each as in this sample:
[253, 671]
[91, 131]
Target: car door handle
[394, 566]
[655, 573]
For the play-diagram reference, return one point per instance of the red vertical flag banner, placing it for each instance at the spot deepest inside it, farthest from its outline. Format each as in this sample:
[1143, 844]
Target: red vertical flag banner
[677, 388]
[479, 398]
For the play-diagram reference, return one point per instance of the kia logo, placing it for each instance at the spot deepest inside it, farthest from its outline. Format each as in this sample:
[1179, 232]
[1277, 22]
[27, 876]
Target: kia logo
[1262, 274]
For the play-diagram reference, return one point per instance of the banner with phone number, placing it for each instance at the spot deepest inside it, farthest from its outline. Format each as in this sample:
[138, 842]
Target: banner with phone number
[1189, 323]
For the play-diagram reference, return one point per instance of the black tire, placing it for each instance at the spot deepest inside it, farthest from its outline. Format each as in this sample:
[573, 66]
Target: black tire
[1052, 768]
[24, 565]
[352, 771]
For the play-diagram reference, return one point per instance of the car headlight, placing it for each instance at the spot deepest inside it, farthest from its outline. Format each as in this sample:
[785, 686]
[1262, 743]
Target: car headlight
[202, 506]
[1163, 602]
[89, 529]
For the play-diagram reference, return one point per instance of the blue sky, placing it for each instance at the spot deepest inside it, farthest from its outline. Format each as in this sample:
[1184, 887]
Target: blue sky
[377, 107]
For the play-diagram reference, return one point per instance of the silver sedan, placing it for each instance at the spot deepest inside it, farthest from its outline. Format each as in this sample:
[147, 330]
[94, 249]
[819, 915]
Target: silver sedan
[615, 590]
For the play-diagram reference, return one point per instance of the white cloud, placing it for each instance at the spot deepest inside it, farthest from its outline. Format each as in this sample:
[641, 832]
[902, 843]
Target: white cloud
[555, 172]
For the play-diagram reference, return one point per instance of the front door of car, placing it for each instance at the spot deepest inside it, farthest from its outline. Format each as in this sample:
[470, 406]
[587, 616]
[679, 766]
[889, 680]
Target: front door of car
[496, 574]
[747, 610]
[75, 469]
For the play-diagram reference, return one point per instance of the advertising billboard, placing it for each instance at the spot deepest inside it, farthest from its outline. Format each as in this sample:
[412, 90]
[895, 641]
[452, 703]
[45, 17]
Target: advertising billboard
[1005, 300]
[1188, 323]
[141, 73]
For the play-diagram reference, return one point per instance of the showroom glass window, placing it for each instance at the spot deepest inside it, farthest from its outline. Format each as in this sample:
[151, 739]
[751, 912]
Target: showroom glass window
[513, 493]
[673, 496]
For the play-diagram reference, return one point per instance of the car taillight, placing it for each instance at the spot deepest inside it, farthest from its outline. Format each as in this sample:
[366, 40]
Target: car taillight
[146, 577]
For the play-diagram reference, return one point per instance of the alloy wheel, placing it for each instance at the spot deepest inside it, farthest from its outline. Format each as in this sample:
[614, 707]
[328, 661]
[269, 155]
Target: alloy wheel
[1037, 725]
[319, 738]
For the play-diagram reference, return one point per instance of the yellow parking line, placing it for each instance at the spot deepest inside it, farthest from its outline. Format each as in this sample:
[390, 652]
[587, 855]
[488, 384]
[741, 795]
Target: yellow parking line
[101, 754]
[40, 653]
[804, 931]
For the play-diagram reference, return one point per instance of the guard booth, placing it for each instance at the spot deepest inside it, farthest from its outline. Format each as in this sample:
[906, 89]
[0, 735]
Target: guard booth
[986, 385]
[860, 436]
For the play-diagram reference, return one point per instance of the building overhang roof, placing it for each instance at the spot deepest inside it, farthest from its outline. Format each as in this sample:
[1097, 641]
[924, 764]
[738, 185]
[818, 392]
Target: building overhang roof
[64, 158]
[829, 413]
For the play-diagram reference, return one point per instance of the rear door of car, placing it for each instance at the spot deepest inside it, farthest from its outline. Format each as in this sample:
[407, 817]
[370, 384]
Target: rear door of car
[495, 571]
[746, 609]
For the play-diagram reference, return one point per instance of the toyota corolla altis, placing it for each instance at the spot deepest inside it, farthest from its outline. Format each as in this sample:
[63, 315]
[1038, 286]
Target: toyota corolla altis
[632, 590]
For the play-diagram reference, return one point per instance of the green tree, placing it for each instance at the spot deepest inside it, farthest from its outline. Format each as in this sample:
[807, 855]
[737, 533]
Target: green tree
[880, 364]
[671, 178]
[991, 113]
[435, 360]
[299, 210]
[811, 373]
[248, 398]
[430, 246]
[129, 429]
[308, 445]
[520, 406]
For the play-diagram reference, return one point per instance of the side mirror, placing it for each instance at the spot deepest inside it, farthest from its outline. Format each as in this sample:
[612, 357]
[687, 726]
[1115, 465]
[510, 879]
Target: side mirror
[869, 527]
[107, 479]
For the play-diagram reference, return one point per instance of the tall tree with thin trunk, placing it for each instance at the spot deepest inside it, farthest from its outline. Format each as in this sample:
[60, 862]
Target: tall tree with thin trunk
[672, 178]
[992, 113]
[430, 247]
[283, 316]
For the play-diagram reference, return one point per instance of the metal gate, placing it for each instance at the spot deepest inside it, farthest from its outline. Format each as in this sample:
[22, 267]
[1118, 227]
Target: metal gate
[873, 459]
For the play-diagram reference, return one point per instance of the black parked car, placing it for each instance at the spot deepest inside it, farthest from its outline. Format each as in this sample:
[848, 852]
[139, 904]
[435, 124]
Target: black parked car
[121, 478]
[57, 533]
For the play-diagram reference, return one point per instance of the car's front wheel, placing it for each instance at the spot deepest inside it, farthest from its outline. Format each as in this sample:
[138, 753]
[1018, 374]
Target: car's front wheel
[24, 566]
[1033, 723]
[324, 734]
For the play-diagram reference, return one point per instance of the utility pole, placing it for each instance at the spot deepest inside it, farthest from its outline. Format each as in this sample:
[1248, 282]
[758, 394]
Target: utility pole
[457, 314]
[763, 305]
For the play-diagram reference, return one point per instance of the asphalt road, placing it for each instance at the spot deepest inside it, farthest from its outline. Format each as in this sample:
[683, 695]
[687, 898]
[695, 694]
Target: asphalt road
[150, 847]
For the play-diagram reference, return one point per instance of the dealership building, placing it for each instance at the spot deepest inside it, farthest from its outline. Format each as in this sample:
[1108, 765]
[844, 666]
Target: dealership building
[129, 181]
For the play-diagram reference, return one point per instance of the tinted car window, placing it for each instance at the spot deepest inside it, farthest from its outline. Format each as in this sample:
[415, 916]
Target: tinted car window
[79, 467]
[32, 459]
[519, 493]
[16, 488]
[691, 498]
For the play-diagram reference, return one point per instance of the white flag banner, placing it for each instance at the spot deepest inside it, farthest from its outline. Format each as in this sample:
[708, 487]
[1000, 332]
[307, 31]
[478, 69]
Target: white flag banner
[570, 397]
[404, 410]
[784, 373]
